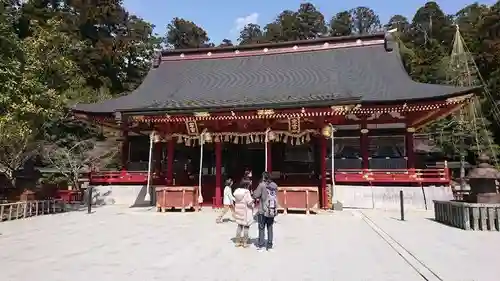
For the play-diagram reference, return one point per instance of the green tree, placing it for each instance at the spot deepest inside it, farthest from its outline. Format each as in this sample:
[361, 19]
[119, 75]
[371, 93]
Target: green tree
[185, 34]
[250, 34]
[399, 22]
[341, 24]
[431, 23]
[285, 27]
[364, 20]
[226, 43]
[311, 22]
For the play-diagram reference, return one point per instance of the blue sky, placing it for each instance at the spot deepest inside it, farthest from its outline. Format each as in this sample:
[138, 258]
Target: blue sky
[222, 18]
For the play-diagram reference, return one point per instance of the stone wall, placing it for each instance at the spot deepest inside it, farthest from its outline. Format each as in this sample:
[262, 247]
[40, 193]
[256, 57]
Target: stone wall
[468, 216]
[387, 197]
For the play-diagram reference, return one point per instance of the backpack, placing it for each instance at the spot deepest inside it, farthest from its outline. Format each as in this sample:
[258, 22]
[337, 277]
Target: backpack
[270, 207]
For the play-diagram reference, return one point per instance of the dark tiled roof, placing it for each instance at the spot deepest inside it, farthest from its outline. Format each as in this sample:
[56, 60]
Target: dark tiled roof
[365, 73]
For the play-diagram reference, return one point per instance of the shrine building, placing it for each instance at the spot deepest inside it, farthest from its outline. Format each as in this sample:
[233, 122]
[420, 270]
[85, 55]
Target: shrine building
[289, 108]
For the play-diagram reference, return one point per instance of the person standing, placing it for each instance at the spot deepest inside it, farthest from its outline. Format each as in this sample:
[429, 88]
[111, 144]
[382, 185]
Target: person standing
[247, 179]
[266, 193]
[228, 200]
[243, 214]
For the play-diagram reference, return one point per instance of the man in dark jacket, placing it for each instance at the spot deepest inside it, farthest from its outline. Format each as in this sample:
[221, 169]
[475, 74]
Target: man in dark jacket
[266, 193]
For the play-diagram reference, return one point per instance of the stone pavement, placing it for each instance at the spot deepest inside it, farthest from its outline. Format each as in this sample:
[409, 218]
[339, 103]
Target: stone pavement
[453, 254]
[136, 244]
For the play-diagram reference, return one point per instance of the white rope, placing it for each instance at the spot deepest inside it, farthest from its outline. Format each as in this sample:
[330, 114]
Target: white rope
[266, 141]
[202, 142]
[147, 197]
[460, 57]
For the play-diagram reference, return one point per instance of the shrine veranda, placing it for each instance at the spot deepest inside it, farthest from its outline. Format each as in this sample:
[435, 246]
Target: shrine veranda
[287, 108]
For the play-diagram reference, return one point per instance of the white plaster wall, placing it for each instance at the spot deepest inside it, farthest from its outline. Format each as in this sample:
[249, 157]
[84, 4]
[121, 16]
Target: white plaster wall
[124, 195]
[387, 197]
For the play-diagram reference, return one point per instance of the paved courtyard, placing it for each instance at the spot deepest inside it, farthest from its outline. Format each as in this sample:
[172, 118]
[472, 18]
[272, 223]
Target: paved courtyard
[136, 244]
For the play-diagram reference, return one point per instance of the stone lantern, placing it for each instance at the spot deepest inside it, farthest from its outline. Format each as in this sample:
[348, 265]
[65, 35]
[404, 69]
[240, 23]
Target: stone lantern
[483, 182]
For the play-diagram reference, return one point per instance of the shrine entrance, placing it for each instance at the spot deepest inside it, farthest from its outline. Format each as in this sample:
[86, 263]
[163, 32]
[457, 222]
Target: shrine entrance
[240, 157]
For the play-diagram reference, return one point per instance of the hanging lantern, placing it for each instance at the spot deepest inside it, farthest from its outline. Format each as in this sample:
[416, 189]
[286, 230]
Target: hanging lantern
[226, 138]
[179, 139]
[207, 137]
[271, 136]
[285, 139]
[188, 142]
[235, 140]
[327, 131]
[308, 137]
[217, 138]
[155, 137]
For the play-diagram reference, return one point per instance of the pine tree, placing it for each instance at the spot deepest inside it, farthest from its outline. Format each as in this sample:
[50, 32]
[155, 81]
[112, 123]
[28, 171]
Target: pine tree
[467, 132]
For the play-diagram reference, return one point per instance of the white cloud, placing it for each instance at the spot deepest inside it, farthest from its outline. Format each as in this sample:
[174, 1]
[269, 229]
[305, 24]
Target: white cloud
[241, 22]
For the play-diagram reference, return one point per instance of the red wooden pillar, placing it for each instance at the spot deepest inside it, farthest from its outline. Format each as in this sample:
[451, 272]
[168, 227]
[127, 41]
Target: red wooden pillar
[364, 147]
[125, 146]
[410, 153]
[170, 161]
[218, 174]
[269, 161]
[323, 151]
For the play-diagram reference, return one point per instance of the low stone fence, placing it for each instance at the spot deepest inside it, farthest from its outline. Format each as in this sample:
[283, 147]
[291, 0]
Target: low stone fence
[468, 216]
[26, 209]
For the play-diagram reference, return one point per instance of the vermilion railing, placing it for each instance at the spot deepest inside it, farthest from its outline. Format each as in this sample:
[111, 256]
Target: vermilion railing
[69, 196]
[118, 177]
[421, 176]
[397, 176]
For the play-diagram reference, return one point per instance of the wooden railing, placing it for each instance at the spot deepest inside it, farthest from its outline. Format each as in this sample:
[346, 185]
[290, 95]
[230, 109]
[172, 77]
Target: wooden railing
[382, 176]
[117, 177]
[397, 176]
[26, 209]
[69, 196]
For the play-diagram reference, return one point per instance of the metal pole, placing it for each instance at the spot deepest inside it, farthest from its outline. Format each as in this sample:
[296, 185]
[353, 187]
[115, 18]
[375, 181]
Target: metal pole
[89, 199]
[401, 205]
[147, 197]
[202, 141]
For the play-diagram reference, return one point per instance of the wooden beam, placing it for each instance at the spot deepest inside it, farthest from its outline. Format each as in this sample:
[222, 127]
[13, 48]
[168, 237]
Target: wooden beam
[437, 115]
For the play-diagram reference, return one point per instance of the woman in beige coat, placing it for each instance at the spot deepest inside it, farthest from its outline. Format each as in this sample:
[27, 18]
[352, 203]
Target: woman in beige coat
[243, 214]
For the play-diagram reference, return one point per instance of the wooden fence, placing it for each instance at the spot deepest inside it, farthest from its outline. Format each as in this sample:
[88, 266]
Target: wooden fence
[26, 209]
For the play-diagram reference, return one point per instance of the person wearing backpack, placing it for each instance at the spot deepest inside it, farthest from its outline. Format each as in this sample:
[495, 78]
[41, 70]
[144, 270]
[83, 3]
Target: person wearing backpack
[267, 194]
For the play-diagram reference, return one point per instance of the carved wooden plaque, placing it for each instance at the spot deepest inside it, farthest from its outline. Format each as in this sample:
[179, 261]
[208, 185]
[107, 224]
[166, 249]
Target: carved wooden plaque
[294, 125]
[192, 128]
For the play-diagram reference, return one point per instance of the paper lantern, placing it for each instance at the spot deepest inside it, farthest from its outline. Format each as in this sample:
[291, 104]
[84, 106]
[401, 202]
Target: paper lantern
[271, 136]
[207, 137]
[327, 131]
